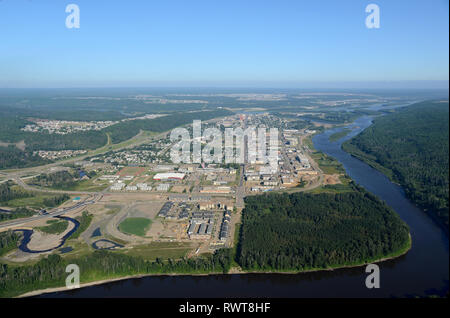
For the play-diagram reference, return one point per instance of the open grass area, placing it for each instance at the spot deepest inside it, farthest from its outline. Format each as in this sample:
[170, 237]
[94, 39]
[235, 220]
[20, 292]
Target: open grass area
[34, 202]
[135, 226]
[54, 227]
[163, 250]
[87, 185]
[327, 164]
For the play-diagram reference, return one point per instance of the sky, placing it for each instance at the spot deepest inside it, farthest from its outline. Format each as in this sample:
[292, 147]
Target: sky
[224, 43]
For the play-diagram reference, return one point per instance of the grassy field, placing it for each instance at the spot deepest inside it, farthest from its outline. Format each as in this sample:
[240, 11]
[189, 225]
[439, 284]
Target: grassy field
[34, 202]
[143, 137]
[327, 164]
[136, 226]
[87, 185]
[54, 227]
[163, 250]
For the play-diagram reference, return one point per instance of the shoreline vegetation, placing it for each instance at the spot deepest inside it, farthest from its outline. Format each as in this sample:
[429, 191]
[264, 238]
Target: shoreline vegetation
[102, 267]
[232, 271]
[410, 147]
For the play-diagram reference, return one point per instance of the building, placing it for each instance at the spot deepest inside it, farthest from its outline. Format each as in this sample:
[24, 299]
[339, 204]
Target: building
[191, 229]
[164, 211]
[206, 205]
[164, 168]
[169, 176]
[143, 187]
[117, 186]
[163, 187]
[222, 189]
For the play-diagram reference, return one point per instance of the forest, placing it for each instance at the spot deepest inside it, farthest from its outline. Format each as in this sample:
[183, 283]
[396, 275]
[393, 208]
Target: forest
[9, 240]
[304, 231]
[50, 271]
[9, 191]
[411, 147]
[16, 214]
[59, 179]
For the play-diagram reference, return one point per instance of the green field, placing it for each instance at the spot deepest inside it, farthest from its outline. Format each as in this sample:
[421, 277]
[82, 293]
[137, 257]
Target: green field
[327, 164]
[54, 227]
[163, 250]
[135, 226]
[86, 185]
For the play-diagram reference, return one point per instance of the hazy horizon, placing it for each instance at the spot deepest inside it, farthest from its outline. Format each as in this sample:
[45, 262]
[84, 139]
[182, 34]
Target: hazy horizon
[300, 44]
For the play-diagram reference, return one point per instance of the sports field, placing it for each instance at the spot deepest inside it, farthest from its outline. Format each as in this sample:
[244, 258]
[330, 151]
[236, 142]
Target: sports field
[135, 226]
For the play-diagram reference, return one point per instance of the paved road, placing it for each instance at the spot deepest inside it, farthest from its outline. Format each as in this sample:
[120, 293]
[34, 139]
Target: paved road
[54, 212]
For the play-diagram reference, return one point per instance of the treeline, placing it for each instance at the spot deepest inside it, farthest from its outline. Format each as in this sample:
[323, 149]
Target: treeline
[411, 146]
[10, 132]
[16, 214]
[85, 220]
[8, 241]
[304, 231]
[56, 200]
[50, 271]
[9, 192]
[59, 179]
[12, 157]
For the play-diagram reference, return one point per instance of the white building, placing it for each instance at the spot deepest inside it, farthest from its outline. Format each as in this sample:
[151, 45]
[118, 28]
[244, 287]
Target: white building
[169, 176]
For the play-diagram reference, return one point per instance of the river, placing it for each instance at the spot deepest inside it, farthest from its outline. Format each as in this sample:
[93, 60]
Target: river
[424, 270]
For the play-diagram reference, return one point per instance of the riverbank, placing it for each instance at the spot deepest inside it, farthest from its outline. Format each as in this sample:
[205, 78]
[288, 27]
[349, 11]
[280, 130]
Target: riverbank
[233, 271]
[410, 146]
[360, 155]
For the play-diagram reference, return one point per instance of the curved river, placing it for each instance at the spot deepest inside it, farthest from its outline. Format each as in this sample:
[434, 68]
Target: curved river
[424, 270]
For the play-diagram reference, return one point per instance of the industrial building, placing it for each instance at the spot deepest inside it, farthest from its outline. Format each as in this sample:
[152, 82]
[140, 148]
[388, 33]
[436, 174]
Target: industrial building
[165, 209]
[163, 187]
[169, 176]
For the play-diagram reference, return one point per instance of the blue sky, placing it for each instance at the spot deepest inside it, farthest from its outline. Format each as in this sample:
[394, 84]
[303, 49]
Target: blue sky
[221, 42]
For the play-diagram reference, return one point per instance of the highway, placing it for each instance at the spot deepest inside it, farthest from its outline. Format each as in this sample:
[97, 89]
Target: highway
[55, 212]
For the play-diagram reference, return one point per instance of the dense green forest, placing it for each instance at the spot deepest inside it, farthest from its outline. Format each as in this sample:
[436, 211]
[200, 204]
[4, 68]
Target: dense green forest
[59, 179]
[9, 192]
[12, 157]
[55, 200]
[301, 231]
[16, 214]
[50, 271]
[85, 220]
[411, 147]
[8, 241]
